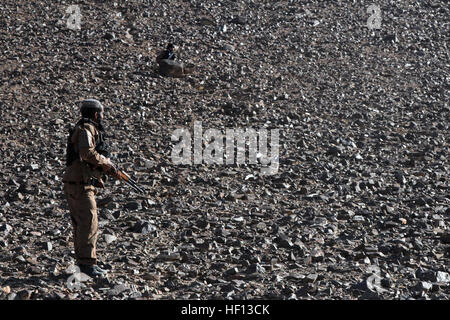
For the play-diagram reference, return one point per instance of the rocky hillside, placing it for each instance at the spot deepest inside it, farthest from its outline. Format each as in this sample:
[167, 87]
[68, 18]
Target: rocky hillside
[359, 207]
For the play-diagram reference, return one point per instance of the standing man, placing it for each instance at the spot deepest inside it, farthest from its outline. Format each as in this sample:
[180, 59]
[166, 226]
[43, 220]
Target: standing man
[87, 162]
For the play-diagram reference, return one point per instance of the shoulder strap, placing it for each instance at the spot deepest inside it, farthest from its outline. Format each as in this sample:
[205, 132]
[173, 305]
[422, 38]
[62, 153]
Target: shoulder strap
[83, 121]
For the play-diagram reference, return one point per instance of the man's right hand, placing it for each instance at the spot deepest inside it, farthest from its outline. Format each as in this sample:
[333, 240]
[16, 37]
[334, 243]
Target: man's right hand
[110, 169]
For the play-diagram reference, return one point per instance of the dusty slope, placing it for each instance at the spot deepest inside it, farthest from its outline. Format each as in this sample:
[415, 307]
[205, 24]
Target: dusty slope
[364, 171]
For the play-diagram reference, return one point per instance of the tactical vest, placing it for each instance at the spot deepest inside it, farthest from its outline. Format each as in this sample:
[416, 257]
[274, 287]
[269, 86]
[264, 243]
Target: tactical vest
[100, 144]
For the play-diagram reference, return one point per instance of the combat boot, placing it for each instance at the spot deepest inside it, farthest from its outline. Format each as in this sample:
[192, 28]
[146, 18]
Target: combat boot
[92, 271]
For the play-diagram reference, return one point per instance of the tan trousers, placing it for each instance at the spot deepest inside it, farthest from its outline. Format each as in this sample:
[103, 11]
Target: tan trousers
[83, 213]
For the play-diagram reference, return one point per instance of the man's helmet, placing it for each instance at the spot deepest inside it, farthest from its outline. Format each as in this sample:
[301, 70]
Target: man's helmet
[89, 107]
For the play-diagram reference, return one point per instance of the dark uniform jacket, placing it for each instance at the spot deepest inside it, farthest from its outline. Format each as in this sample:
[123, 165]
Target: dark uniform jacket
[82, 170]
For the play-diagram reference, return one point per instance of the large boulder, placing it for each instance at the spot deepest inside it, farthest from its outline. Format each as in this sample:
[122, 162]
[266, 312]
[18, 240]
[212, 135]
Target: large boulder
[171, 68]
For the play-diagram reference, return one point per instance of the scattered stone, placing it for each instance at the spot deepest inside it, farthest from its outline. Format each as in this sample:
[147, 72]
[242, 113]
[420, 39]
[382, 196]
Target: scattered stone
[442, 277]
[6, 290]
[5, 229]
[335, 150]
[255, 268]
[12, 296]
[358, 218]
[317, 254]
[134, 205]
[24, 295]
[425, 286]
[174, 256]
[144, 227]
[231, 272]
[109, 238]
[311, 277]
[239, 20]
[426, 275]
[284, 242]
[445, 238]
[118, 289]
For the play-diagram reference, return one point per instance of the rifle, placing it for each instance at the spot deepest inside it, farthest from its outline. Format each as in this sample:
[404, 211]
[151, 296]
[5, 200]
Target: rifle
[123, 176]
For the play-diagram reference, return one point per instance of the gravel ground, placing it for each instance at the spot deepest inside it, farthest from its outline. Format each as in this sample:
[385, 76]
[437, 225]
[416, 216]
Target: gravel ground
[359, 205]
